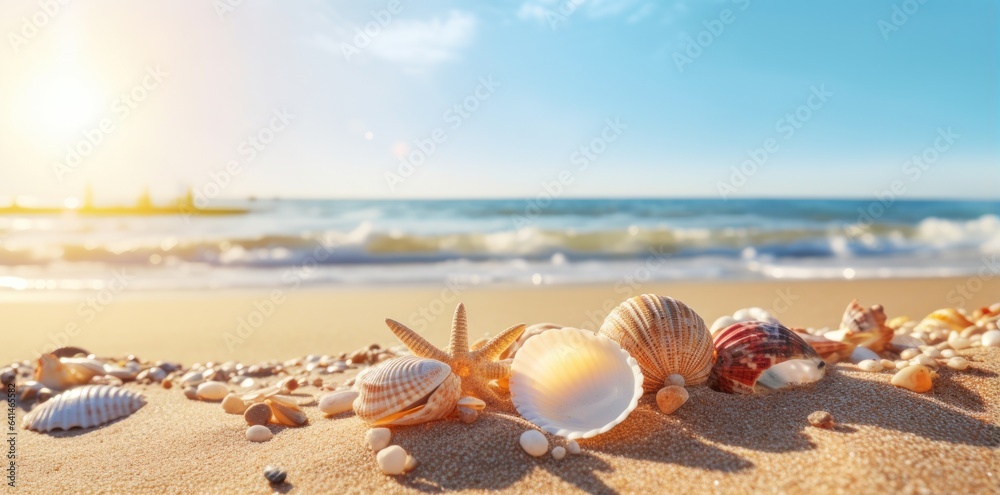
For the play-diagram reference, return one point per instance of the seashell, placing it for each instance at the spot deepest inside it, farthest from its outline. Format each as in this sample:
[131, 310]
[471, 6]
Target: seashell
[752, 353]
[951, 318]
[670, 398]
[392, 460]
[665, 336]
[69, 352]
[130, 371]
[377, 438]
[534, 443]
[991, 338]
[574, 383]
[407, 390]
[914, 377]
[83, 407]
[259, 433]
[830, 350]
[529, 332]
[902, 341]
[275, 475]
[865, 327]
[337, 402]
[471, 403]
[63, 373]
[288, 415]
[957, 342]
[897, 322]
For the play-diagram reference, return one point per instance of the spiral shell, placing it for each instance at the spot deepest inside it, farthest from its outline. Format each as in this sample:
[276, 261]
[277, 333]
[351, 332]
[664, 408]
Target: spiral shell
[406, 390]
[574, 383]
[665, 336]
[768, 354]
[83, 407]
[864, 327]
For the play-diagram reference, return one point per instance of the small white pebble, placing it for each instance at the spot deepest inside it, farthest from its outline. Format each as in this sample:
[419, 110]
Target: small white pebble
[902, 364]
[991, 339]
[958, 363]
[948, 353]
[675, 379]
[558, 453]
[534, 443]
[377, 438]
[337, 402]
[259, 433]
[572, 447]
[887, 364]
[212, 391]
[411, 464]
[392, 460]
[924, 360]
[232, 404]
[870, 365]
[909, 354]
[932, 353]
[957, 342]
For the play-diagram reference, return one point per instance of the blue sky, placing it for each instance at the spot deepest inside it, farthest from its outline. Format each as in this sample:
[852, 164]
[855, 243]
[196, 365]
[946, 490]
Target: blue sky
[560, 72]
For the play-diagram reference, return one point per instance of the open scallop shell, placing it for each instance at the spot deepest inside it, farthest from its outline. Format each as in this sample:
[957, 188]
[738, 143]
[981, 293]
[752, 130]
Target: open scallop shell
[665, 336]
[407, 390]
[83, 407]
[574, 383]
[754, 353]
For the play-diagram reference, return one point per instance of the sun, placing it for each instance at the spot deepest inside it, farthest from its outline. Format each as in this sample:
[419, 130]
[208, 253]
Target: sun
[61, 104]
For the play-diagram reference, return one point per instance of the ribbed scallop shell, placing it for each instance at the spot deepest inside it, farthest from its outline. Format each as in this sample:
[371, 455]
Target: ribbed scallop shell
[866, 326]
[665, 336]
[745, 350]
[406, 390]
[952, 318]
[83, 407]
[574, 383]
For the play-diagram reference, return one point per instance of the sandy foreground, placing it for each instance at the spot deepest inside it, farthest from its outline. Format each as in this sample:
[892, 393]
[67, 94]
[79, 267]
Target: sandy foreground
[889, 440]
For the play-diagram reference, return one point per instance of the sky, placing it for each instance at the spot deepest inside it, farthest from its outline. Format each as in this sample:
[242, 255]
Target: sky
[573, 98]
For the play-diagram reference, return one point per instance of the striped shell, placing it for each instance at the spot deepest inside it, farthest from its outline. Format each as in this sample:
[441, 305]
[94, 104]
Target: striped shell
[83, 407]
[752, 353]
[830, 350]
[63, 373]
[665, 336]
[951, 317]
[406, 390]
[866, 327]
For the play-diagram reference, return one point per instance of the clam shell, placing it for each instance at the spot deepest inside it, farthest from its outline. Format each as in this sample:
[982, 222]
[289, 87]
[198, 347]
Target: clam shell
[752, 353]
[951, 317]
[63, 373]
[406, 390]
[665, 336]
[574, 383]
[83, 407]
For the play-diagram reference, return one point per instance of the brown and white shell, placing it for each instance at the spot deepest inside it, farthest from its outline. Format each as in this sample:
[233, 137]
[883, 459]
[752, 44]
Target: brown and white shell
[831, 351]
[747, 350]
[83, 407]
[665, 336]
[407, 390]
[63, 373]
[865, 327]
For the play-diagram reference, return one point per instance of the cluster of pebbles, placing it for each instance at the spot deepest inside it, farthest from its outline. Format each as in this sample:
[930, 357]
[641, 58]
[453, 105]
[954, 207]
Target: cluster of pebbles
[535, 444]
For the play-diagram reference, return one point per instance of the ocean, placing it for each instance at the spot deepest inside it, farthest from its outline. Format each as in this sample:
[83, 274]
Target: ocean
[519, 242]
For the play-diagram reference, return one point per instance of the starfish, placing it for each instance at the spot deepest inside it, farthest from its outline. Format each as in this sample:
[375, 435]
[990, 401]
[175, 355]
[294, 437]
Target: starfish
[476, 368]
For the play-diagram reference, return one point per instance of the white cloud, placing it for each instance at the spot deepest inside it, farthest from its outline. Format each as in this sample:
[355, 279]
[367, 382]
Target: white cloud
[415, 43]
[546, 10]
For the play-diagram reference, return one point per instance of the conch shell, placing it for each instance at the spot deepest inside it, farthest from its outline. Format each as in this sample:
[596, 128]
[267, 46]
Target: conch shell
[665, 336]
[754, 353]
[63, 373]
[83, 407]
[863, 327]
[406, 390]
[574, 383]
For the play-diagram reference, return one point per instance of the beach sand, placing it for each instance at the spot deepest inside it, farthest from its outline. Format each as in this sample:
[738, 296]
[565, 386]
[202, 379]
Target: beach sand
[889, 440]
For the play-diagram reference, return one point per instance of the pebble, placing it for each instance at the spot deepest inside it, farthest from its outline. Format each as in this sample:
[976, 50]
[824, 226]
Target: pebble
[232, 404]
[957, 342]
[572, 447]
[411, 464]
[288, 384]
[675, 379]
[337, 402]
[192, 378]
[924, 360]
[392, 460]
[870, 365]
[861, 353]
[468, 415]
[534, 443]
[901, 364]
[212, 391]
[259, 433]
[887, 364]
[991, 338]
[670, 398]
[909, 354]
[558, 453]
[948, 353]
[932, 353]
[191, 393]
[167, 384]
[377, 438]
[958, 363]
[275, 475]
[257, 414]
[247, 383]
[916, 377]
[821, 419]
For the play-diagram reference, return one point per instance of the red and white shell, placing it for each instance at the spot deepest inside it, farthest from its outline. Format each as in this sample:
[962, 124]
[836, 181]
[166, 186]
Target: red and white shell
[665, 336]
[745, 350]
[83, 407]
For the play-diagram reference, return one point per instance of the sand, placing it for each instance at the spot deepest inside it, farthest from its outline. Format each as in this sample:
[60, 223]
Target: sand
[889, 440]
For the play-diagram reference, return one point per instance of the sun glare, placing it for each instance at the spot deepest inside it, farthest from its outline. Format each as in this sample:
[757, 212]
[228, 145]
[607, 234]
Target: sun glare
[71, 203]
[60, 105]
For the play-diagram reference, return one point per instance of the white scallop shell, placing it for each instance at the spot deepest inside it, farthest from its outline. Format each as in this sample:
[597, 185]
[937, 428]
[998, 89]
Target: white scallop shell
[83, 407]
[574, 383]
